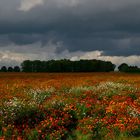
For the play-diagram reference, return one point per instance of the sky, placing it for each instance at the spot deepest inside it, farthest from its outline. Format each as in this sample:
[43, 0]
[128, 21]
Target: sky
[74, 29]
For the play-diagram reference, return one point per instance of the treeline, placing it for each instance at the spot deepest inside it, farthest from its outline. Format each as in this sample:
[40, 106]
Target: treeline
[131, 69]
[66, 65]
[10, 69]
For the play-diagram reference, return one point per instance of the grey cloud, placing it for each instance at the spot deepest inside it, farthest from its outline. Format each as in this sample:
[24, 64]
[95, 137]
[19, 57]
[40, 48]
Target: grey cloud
[109, 26]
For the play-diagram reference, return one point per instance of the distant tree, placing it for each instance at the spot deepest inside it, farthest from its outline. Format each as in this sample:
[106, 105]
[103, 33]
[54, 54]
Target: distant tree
[123, 67]
[3, 69]
[53, 66]
[134, 69]
[109, 66]
[36, 66]
[16, 69]
[27, 66]
[10, 69]
[44, 66]
[65, 65]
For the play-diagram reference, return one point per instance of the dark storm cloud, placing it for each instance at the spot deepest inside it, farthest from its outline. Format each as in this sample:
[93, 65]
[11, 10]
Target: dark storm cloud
[81, 25]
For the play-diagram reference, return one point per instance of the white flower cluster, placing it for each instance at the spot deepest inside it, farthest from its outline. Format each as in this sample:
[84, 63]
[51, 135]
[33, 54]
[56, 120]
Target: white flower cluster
[113, 88]
[133, 111]
[104, 89]
[80, 89]
[39, 95]
[15, 107]
[14, 104]
[11, 108]
[110, 85]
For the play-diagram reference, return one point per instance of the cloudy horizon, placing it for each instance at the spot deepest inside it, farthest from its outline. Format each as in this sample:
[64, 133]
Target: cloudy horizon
[73, 29]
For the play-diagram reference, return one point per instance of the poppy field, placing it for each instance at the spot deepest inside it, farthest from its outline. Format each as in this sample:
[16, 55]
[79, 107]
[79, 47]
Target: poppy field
[69, 106]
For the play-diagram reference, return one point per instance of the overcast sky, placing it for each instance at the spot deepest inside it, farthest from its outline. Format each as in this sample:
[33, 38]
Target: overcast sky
[73, 29]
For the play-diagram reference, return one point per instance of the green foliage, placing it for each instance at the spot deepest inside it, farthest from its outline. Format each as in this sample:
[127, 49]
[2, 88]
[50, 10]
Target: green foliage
[16, 69]
[77, 135]
[136, 132]
[3, 69]
[33, 135]
[10, 69]
[66, 65]
[133, 96]
[125, 68]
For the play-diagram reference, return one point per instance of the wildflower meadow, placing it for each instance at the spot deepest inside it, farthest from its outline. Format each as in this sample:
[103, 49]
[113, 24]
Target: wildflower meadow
[69, 106]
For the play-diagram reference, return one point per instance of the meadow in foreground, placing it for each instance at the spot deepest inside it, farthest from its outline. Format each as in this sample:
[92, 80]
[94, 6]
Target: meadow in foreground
[70, 107]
